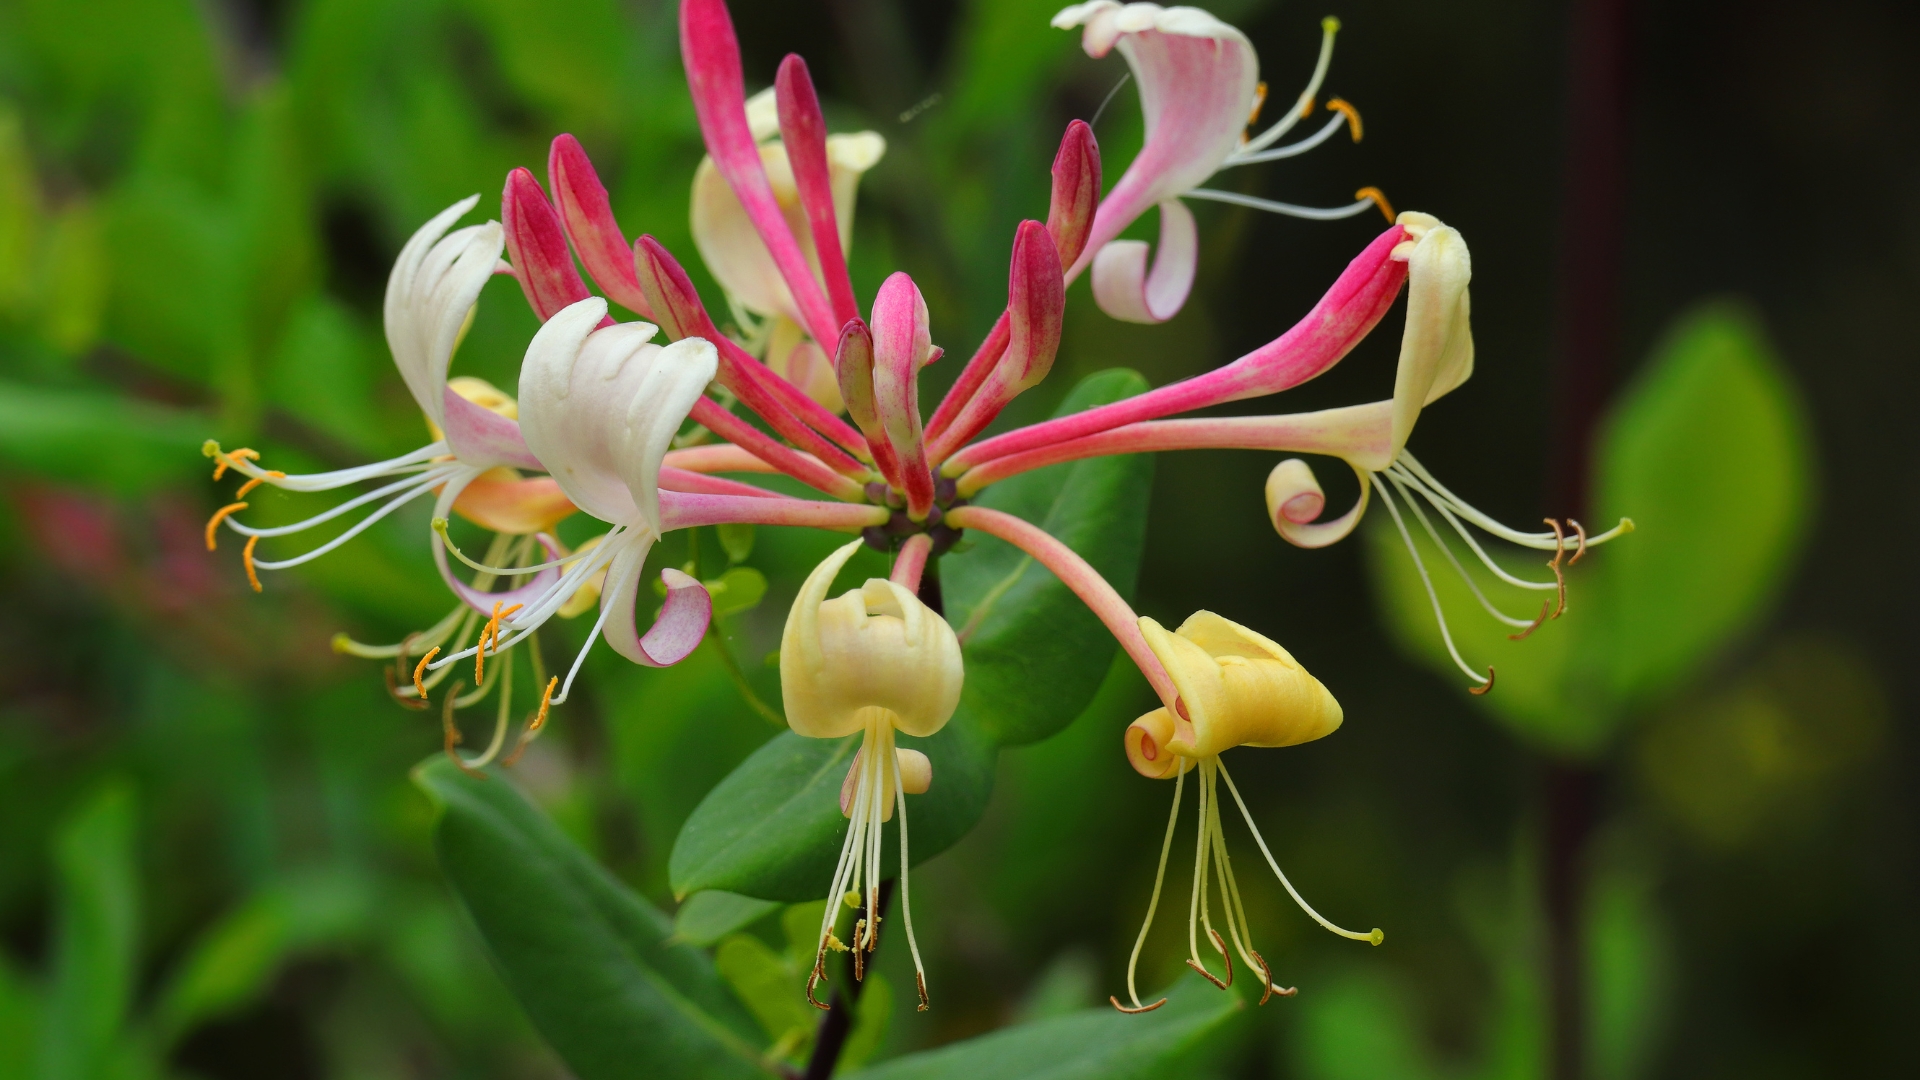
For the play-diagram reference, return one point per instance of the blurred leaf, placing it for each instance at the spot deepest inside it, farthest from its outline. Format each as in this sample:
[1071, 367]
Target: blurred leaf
[96, 927]
[74, 279]
[1709, 453]
[323, 373]
[1097, 1044]
[587, 959]
[96, 439]
[1035, 655]
[708, 916]
[20, 215]
[736, 540]
[235, 960]
[1630, 974]
[770, 986]
[563, 55]
[871, 1015]
[20, 1023]
[739, 589]
[1360, 1025]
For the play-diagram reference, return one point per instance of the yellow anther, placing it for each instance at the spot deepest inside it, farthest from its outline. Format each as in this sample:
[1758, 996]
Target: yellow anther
[231, 460]
[1379, 199]
[1346, 109]
[489, 636]
[270, 474]
[1259, 99]
[220, 515]
[546, 702]
[246, 557]
[420, 669]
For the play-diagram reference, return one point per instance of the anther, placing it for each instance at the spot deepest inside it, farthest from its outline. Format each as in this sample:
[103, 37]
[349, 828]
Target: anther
[1346, 109]
[1379, 199]
[1581, 531]
[246, 557]
[418, 686]
[1204, 973]
[393, 691]
[490, 636]
[818, 976]
[920, 983]
[1546, 607]
[1559, 551]
[270, 474]
[220, 515]
[1259, 99]
[1220, 946]
[533, 726]
[229, 460]
[1481, 690]
[1267, 989]
[1139, 1009]
[859, 953]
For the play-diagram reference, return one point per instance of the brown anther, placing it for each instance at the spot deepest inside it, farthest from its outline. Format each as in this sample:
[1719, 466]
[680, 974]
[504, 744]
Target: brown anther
[859, 953]
[1481, 690]
[1352, 114]
[1546, 606]
[1220, 946]
[920, 983]
[1580, 531]
[1379, 199]
[818, 976]
[533, 726]
[1559, 551]
[1266, 976]
[1204, 973]
[246, 556]
[1136, 1010]
[452, 734]
[270, 474]
[220, 515]
[231, 459]
[418, 686]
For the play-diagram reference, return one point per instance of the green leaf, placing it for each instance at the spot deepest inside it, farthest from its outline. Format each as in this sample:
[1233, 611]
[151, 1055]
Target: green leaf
[1035, 654]
[96, 927]
[588, 960]
[739, 589]
[708, 916]
[735, 539]
[1361, 1026]
[1710, 455]
[1097, 1044]
[96, 439]
[1035, 657]
[771, 987]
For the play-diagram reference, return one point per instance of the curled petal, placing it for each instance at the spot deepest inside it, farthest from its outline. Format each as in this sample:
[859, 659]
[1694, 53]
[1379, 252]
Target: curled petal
[1128, 291]
[481, 437]
[1436, 351]
[587, 216]
[432, 288]
[1294, 500]
[675, 633]
[1147, 741]
[1197, 79]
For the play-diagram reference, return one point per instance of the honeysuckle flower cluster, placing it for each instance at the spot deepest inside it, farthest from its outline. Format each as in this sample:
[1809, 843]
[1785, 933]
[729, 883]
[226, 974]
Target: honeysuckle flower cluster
[600, 403]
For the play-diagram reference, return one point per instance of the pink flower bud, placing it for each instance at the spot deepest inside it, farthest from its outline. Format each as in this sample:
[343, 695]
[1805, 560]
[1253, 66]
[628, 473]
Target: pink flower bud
[587, 216]
[538, 248]
[1076, 192]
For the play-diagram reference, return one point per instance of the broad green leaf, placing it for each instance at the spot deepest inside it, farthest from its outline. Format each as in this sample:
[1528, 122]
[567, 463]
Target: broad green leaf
[587, 959]
[735, 539]
[1095, 1044]
[1035, 655]
[771, 987]
[20, 1006]
[739, 589]
[1710, 455]
[96, 439]
[235, 961]
[773, 828]
[708, 916]
[96, 928]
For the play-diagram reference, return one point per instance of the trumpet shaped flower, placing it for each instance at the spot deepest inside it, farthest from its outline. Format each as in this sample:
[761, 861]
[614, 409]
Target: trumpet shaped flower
[1200, 88]
[874, 661]
[1234, 687]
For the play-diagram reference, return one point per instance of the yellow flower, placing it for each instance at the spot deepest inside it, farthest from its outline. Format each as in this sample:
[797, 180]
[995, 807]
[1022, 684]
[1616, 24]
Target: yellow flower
[1235, 688]
[873, 661]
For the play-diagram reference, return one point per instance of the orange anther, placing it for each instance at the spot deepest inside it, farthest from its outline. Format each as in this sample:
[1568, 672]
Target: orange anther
[231, 460]
[220, 515]
[418, 686]
[246, 556]
[1379, 199]
[1259, 99]
[533, 726]
[490, 635]
[270, 474]
[1346, 109]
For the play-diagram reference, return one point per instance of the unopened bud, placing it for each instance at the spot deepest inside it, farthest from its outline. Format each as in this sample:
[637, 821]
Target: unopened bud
[1036, 304]
[669, 291]
[853, 360]
[1076, 192]
[537, 247]
[587, 216]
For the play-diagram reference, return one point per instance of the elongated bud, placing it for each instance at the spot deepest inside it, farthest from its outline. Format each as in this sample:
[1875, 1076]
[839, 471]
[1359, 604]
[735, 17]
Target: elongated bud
[1076, 192]
[1036, 303]
[854, 362]
[803, 133]
[669, 291]
[538, 248]
[587, 216]
[902, 344]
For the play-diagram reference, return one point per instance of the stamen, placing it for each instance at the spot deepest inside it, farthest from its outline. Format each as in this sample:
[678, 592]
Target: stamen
[906, 898]
[1376, 937]
[490, 635]
[1341, 106]
[231, 459]
[420, 667]
[1153, 904]
[1559, 552]
[1581, 531]
[1378, 197]
[1433, 597]
[453, 736]
[1434, 535]
[270, 474]
[213, 523]
[1259, 99]
[1546, 610]
[818, 976]
[393, 691]
[1135, 1011]
[1268, 989]
[1441, 507]
[1329, 26]
[1365, 198]
[533, 726]
[246, 557]
[1204, 973]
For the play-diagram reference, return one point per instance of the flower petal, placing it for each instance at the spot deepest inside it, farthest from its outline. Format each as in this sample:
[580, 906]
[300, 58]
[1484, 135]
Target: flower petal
[1128, 291]
[1294, 501]
[675, 632]
[1436, 351]
[433, 286]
